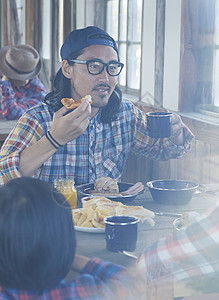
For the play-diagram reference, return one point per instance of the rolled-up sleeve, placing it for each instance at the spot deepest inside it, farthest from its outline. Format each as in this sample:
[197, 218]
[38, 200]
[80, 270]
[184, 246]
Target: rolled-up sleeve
[26, 132]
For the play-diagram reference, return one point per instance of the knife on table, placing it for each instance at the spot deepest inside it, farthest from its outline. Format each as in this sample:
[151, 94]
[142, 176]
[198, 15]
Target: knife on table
[167, 214]
[129, 254]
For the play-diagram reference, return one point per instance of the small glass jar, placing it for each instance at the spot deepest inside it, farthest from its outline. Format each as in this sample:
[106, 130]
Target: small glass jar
[67, 188]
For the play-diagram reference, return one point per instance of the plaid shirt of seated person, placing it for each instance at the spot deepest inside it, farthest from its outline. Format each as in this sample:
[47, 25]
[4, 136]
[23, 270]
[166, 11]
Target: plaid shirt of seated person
[14, 102]
[99, 280]
[102, 150]
[186, 254]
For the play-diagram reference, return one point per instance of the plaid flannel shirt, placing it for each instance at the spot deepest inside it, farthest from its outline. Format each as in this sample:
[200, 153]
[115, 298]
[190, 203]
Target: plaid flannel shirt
[99, 280]
[16, 101]
[187, 254]
[102, 150]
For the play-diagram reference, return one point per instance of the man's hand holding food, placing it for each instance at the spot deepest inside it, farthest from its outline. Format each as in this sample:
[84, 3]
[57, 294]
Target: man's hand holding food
[67, 127]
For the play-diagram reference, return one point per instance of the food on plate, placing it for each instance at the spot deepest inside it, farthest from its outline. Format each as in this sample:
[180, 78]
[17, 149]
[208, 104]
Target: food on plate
[135, 189]
[188, 218]
[70, 103]
[106, 185]
[97, 208]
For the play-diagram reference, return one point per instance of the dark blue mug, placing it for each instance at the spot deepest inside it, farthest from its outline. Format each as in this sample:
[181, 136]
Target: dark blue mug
[159, 124]
[121, 233]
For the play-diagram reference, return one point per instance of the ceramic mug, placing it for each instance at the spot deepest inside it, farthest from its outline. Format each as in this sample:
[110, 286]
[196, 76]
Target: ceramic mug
[121, 233]
[159, 124]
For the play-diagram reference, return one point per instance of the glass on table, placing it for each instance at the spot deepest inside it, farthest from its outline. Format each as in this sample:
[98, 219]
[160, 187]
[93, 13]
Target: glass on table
[67, 188]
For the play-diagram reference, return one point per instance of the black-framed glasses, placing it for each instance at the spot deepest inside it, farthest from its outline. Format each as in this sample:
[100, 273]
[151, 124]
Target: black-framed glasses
[96, 67]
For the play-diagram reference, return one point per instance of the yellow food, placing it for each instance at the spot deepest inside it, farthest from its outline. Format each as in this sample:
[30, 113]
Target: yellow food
[96, 209]
[70, 103]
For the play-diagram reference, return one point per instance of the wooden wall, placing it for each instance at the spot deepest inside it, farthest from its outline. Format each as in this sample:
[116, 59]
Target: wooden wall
[200, 165]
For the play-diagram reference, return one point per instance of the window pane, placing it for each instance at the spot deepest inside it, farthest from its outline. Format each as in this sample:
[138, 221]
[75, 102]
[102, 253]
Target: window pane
[217, 23]
[135, 14]
[134, 56]
[122, 54]
[134, 40]
[216, 80]
[21, 19]
[216, 62]
[123, 20]
[46, 29]
[112, 18]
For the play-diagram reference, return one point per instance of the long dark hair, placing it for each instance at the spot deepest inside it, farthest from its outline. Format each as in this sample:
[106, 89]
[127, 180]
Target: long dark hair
[63, 89]
[37, 238]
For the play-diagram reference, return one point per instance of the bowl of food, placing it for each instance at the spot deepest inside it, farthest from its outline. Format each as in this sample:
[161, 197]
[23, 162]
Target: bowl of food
[172, 192]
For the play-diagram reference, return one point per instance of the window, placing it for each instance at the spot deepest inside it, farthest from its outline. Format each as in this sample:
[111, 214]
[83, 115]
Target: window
[216, 61]
[171, 52]
[200, 91]
[124, 23]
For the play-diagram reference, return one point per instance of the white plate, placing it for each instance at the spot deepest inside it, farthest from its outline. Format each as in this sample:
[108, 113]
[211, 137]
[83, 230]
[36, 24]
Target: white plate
[90, 229]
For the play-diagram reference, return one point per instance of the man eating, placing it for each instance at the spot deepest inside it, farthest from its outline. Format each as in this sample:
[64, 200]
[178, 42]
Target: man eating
[93, 140]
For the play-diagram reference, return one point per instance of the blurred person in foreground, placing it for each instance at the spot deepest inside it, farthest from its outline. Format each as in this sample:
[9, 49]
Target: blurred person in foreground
[94, 140]
[37, 250]
[20, 87]
[189, 257]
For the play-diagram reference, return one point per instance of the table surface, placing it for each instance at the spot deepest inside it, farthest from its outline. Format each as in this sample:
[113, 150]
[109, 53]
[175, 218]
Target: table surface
[93, 244]
[147, 234]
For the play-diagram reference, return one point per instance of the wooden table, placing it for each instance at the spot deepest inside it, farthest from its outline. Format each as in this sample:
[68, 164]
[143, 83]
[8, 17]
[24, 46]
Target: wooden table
[146, 233]
[93, 244]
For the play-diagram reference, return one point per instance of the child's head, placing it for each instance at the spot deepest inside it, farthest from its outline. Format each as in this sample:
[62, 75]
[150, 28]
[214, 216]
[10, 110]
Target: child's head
[37, 238]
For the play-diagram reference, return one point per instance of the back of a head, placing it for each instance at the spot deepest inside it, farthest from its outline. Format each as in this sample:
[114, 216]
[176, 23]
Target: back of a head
[37, 239]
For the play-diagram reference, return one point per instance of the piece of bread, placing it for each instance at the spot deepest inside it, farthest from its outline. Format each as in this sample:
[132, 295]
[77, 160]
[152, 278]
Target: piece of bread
[96, 209]
[94, 200]
[139, 212]
[189, 217]
[70, 103]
